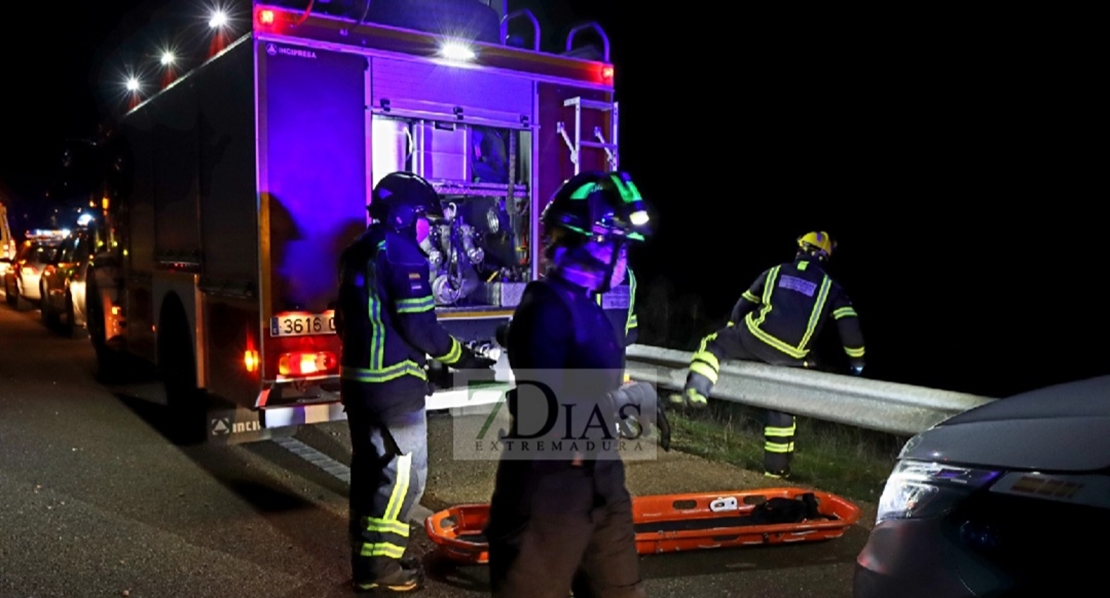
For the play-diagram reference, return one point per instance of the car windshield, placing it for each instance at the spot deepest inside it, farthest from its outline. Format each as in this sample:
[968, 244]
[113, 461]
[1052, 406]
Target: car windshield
[42, 252]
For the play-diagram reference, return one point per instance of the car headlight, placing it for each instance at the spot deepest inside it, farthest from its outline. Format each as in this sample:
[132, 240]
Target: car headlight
[918, 489]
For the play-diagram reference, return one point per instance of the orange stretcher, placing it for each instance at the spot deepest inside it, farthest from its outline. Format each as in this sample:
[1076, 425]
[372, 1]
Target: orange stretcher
[675, 522]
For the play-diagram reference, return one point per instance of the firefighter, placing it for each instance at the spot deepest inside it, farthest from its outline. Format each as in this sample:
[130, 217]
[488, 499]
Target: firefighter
[620, 307]
[564, 523]
[776, 321]
[387, 323]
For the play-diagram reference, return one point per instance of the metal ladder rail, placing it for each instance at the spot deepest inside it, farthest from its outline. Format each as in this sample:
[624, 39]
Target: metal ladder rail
[610, 147]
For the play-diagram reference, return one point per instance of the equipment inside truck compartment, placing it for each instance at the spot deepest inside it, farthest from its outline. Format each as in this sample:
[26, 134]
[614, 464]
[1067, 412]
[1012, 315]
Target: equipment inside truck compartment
[479, 252]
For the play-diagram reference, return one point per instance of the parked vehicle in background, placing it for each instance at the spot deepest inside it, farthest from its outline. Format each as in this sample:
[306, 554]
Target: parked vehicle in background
[21, 282]
[62, 284]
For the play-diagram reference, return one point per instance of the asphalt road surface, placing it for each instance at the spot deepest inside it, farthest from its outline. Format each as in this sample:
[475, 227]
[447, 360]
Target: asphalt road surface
[96, 502]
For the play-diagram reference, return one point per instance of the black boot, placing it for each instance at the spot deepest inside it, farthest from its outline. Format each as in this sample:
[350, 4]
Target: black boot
[406, 576]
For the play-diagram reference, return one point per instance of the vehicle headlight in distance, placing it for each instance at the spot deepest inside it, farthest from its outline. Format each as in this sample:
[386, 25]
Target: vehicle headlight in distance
[918, 489]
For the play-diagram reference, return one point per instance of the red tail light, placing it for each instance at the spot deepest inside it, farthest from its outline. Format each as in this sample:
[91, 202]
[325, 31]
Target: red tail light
[307, 363]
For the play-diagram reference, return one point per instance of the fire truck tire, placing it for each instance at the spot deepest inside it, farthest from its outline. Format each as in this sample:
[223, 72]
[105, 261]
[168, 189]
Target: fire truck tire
[187, 412]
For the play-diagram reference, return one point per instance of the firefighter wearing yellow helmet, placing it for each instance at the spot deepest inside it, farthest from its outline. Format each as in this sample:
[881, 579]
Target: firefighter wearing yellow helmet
[817, 244]
[776, 321]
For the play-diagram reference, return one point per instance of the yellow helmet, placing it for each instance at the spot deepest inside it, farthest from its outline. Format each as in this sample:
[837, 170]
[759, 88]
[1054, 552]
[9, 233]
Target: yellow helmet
[818, 242]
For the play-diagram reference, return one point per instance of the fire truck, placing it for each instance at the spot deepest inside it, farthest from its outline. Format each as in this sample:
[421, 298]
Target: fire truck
[234, 187]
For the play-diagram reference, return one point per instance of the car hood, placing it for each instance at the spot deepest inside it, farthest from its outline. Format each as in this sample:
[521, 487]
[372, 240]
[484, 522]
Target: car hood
[1065, 427]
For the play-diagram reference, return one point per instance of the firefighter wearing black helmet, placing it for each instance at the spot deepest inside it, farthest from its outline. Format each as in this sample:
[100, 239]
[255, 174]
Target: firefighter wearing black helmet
[562, 520]
[776, 321]
[387, 323]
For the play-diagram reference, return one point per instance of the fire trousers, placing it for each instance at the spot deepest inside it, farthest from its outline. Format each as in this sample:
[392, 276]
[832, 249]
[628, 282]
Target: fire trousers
[555, 527]
[389, 469]
[778, 427]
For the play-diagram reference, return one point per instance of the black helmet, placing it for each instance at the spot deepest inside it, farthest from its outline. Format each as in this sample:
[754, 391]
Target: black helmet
[400, 198]
[598, 204]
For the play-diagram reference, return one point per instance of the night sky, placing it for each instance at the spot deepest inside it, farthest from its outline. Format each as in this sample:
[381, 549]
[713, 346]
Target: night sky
[956, 157]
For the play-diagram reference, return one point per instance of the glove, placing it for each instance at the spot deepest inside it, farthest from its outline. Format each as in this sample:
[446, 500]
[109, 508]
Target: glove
[638, 401]
[472, 361]
[857, 370]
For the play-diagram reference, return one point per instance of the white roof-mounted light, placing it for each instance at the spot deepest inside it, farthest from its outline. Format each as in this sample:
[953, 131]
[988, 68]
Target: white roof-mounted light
[457, 51]
[219, 19]
[638, 217]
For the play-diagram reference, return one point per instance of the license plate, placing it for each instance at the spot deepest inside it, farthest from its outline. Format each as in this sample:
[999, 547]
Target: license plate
[302, 324]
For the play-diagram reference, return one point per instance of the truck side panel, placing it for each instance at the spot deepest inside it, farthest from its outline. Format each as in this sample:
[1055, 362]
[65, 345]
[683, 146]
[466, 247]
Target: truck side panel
[313, 179]
[137, 130]
[229, 202]
[232, 349]
[177, 237]
[137, 208]
[192, 154]
[229, 225]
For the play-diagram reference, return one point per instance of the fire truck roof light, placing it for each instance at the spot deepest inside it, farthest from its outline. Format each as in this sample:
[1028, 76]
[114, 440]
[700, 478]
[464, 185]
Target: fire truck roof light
[167, 58]
[456, 50]
[132, 84]
[219, 19]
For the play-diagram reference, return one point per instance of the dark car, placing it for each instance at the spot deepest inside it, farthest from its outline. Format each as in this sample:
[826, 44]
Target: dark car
[1008, 499]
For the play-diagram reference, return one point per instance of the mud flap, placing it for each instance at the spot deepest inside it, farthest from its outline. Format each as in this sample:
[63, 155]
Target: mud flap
[236, 425]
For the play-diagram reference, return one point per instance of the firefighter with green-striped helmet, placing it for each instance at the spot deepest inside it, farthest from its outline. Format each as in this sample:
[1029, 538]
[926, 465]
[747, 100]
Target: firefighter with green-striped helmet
[564, 509]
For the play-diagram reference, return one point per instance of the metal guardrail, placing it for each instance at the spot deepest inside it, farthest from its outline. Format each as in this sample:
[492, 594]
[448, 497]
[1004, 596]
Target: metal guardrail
[871, 404]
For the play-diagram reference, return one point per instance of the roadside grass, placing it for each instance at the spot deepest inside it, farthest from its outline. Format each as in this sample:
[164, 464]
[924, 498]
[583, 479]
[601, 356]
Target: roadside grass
[851, 462]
